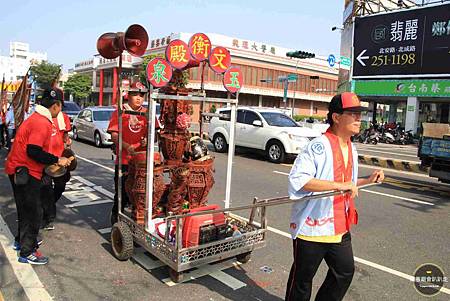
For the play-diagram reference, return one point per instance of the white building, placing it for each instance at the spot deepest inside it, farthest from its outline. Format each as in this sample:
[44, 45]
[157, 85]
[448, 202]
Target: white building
[14, 66]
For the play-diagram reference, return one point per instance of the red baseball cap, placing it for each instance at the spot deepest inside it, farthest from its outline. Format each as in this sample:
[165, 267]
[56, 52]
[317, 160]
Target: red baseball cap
[346, 101]
[138, 87]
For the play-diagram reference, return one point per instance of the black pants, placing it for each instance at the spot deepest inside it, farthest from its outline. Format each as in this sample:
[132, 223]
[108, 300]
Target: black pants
[10, 134]
[307, 258]
[50, 194]
[2, 134]
[29, 213]
[125, 201]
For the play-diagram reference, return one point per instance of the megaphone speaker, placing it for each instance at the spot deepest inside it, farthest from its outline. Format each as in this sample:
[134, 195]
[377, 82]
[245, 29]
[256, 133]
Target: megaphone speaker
[135, 40]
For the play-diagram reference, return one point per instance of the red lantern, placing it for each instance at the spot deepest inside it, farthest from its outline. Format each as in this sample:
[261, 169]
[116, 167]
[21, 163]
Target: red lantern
[233, 79]
[200, 47]
[177, 54]
[159, 72]
[219, 59]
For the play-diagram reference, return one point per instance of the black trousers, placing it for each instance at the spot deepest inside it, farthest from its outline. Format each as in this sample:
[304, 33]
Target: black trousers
[2, 134]
[29, 213]
[307, 258]
[50, 194]
[125, 200]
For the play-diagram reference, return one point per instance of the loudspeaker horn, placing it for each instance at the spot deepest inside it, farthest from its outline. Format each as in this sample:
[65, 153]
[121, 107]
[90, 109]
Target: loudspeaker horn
[135, 40]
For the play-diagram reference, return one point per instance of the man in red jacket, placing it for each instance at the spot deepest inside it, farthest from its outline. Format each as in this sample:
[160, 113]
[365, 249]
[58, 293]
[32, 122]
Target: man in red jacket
[24, 166]
[53, 188]
[134, 130]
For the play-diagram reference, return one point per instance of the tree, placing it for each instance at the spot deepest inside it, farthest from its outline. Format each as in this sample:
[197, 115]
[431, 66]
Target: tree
[45, 73]
[79, 85]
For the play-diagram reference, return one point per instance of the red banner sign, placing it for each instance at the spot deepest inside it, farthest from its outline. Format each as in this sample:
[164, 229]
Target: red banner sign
[233, 79]
[177, 54]
[220, 59]
[200, 46]
[159, 72]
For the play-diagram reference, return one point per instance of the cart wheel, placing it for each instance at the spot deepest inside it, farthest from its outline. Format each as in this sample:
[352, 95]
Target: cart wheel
[175, 276]
[244, 258]
[122, 241]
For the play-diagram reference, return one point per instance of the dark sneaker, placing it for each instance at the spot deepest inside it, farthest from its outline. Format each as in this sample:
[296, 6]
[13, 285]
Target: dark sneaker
[49, 226]
[34, 258]
[17, 247]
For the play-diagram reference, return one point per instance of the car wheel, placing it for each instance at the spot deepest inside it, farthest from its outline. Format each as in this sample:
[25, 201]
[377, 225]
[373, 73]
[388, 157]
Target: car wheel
[220, 144]
[98, 139]
[275, 152]
[75, 133]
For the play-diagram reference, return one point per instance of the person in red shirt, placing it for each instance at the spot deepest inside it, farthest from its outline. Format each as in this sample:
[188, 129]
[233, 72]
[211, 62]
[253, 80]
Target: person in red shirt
[24, 166]
[134, 130]
[54, 188]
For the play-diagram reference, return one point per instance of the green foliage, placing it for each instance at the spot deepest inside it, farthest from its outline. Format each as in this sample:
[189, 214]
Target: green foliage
[45, 73]
[79, 85]
[213, 108]
[180, 79]
[304, 117]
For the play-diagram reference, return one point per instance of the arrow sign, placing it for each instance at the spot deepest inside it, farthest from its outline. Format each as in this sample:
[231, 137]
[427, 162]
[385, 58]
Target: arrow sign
[331, 60]
[360, 57]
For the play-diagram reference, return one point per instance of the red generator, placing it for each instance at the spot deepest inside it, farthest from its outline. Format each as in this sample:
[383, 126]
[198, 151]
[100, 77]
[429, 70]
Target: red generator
[201, 229]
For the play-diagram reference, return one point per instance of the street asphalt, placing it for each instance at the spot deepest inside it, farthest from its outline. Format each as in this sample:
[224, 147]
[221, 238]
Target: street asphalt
[403, 223]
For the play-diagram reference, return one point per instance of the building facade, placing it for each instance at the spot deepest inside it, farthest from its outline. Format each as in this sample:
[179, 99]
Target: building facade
[262, 64]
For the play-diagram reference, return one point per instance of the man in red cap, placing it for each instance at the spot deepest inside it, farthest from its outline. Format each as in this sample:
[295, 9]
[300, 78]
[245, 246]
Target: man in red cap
[134, 130]
[25, 163]
[320, 228]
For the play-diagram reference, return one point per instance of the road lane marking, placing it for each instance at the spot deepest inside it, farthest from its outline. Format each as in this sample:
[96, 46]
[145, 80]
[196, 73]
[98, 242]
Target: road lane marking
[104, 230]
[85, 193]
[229, 280]
[25, 273]
[398, 197]
[95, 163]
[209, 269]
[379, 193]
[360, 260]
[382, 152]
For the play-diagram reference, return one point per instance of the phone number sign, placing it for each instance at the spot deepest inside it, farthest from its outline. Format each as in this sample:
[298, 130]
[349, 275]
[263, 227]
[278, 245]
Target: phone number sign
[411, 43]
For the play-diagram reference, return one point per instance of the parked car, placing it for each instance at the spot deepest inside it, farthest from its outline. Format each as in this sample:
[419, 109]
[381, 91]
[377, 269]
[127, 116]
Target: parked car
[71, 109]
[92, 123]
[264, 129]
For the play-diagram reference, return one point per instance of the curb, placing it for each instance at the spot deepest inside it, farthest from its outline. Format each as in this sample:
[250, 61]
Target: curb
[393, 164]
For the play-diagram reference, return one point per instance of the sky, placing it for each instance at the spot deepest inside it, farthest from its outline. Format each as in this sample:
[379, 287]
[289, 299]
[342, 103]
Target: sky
[68, 30]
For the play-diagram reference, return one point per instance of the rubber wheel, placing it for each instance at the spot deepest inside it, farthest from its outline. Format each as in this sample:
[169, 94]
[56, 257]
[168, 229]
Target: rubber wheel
[175, 276]
[220, 144]
[275, 152]
[122, 241]
[244, 258]
[98, 139]
[75, 133]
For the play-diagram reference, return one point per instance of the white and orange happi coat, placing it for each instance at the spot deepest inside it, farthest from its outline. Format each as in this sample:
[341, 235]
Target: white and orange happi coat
[322, 159]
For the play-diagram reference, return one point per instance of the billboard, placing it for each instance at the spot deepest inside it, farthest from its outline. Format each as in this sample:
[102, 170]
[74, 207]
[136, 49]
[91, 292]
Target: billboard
[409, 43]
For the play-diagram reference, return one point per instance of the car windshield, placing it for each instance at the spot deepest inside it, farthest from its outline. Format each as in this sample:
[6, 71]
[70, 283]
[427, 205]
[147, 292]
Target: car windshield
[71, 106]
[279, 119]
[102, 115]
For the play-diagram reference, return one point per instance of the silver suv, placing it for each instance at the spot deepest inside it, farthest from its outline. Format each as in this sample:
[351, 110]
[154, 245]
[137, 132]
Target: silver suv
[265, 129]
[92, 123]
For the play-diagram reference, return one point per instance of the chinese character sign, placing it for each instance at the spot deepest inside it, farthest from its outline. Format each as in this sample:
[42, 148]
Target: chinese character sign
[177, 54]
[233, 79]
[219, 59]
[159, 72]
[408, 42]
[200, 46]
